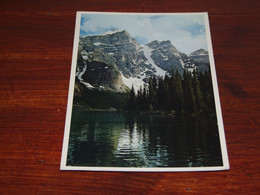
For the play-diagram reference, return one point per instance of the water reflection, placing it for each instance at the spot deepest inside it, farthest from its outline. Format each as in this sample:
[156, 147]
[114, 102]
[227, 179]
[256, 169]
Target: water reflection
[129, 140]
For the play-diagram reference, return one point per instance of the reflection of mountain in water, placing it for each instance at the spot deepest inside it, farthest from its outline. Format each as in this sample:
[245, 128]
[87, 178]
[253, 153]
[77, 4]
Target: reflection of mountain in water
[134, 142]
[109, 139]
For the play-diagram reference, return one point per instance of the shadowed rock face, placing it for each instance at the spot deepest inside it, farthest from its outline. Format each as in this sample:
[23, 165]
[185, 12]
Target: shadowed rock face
[102, 74]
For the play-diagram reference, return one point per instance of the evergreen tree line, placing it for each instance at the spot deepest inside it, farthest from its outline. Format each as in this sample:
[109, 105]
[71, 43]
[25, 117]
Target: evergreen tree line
[190, 93]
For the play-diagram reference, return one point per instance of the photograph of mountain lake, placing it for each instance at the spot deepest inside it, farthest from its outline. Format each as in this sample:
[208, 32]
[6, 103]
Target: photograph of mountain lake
[143, 95]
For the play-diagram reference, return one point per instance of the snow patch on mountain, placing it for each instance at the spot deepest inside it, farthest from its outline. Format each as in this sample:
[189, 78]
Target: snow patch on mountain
[148, 53]
[112, 32]
[98, 44]
[135, 82]
[201, 54]
[80, 74]
[182, 63]
[84, 55]
[87, 85]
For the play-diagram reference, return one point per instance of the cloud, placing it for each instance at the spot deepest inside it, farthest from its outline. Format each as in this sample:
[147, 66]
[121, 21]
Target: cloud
[186, 32]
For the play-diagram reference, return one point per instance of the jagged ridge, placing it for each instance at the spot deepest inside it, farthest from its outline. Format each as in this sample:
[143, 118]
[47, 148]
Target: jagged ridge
[117, 61]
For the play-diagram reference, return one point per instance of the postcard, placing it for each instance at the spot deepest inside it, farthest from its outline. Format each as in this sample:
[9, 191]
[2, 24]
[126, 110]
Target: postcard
[143, 95]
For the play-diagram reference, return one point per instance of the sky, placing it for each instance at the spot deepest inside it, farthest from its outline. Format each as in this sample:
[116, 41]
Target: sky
[186, 32]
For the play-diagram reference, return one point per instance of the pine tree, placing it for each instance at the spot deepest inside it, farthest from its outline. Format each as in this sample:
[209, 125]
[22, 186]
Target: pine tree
[190, 105]
[145, 102]
[154, 82]
[139, 99]
[152, 98]
[201, 106]
[163, 95]
[207, 90]
[167, 100]
[160, 93]
[177, 93]
[132, 100]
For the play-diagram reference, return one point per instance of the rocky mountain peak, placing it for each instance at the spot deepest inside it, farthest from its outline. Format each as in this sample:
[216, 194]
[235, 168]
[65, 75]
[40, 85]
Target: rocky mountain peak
[165, 55]
[117, 39]
[153, 44]
[200, 60]
[199, 52]
[166, 43]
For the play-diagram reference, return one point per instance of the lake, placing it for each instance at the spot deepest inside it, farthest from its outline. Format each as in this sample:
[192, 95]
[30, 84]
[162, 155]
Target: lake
[114, 139]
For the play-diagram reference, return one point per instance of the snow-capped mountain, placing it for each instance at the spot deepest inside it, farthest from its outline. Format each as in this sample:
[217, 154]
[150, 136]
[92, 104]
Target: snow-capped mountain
[116, 61]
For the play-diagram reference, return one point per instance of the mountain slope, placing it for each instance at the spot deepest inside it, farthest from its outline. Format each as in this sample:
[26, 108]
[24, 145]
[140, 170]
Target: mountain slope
[116, 61]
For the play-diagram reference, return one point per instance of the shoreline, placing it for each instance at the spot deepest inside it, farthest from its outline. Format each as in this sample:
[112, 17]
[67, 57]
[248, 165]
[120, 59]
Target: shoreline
[155, 113]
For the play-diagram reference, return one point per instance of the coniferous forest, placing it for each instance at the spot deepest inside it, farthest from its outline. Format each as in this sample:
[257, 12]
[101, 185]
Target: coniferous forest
[187, 94]
[190, 94]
